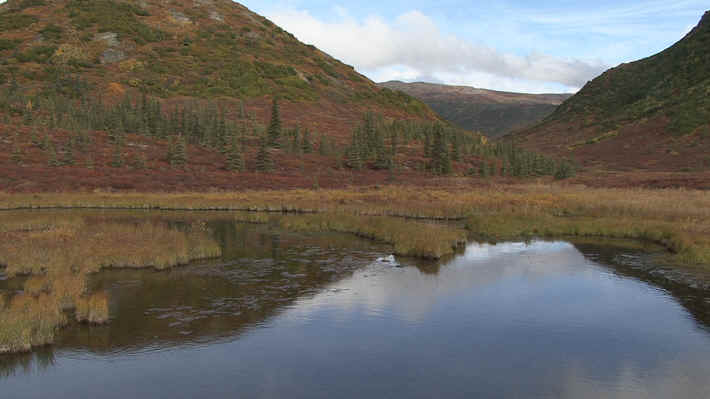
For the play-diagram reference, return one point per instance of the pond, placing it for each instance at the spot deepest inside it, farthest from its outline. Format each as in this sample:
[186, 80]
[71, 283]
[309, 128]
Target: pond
[285, 314]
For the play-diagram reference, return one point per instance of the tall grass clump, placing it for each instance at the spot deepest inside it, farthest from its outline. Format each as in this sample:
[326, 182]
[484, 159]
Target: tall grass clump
[59, 254]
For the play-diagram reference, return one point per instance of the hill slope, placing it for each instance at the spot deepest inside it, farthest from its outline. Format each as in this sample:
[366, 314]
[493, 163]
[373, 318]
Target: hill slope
[650, 114]
[186, 48]
[156, 95]
[493, 113]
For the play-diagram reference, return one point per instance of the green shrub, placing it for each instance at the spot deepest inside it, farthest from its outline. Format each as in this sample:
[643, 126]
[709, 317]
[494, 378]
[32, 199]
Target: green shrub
[13, 21]
[38, 54]
[7, 44]
[112, 16]
[52, 32]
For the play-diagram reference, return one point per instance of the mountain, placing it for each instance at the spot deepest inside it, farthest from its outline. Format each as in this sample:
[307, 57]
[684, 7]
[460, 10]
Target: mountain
[185, 49]
[493, 113]
[652, 114]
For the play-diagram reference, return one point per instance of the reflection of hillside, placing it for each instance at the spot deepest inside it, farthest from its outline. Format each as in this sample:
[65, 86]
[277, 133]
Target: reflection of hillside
[689, 289]
[262, 271]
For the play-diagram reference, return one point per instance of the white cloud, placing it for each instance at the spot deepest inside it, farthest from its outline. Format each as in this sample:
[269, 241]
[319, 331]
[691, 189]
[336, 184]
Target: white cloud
[412, 47]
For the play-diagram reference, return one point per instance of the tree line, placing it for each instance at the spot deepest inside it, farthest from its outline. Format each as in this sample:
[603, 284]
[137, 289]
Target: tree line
[376, 143]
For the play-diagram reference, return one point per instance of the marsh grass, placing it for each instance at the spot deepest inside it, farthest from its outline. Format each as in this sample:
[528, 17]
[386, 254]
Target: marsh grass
[59, 250]
[676, 218]
[58, 254]
[423, 240]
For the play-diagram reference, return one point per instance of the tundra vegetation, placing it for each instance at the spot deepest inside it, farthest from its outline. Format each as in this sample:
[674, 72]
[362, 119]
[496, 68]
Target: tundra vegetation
[376, 143]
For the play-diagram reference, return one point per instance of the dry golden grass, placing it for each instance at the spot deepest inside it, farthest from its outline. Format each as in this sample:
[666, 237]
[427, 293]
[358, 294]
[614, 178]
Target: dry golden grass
[58, 254]
[93, 308]
[424, 240]
[676, 218]
[60, 250]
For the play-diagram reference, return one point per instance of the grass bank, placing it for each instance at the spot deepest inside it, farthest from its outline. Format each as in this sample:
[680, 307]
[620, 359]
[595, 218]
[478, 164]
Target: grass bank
[676, 218]
[58, 253]
[408, 238]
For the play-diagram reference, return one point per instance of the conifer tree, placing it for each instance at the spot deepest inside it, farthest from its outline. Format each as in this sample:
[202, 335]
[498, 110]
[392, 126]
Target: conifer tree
[353, 154]
[68, 154]
[179, 153]
[455, 149]
[140, 161]
[394, 142]
[89, 163]
[274, 131]
[323, 146]
[34, 137]
[16, 152]
[306, 146]
[295, 146]
[441, 163]
[116, 157]
[263, 157]
[44, 145]
[53, 162]
[234, 157]
[242, 110]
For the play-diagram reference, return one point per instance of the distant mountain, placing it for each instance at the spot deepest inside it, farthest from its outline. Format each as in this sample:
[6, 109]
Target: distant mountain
[493, 113]
[650, 114]
[185, 48]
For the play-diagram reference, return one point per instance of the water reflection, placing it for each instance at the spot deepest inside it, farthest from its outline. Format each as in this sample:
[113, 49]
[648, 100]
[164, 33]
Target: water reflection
[314, 315]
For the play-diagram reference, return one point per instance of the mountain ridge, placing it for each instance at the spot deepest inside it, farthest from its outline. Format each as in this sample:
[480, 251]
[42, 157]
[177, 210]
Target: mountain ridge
[651, 114]
[493, 113]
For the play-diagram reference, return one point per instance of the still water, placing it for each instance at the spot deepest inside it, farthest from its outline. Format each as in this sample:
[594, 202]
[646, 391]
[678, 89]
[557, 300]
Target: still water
[319, 316]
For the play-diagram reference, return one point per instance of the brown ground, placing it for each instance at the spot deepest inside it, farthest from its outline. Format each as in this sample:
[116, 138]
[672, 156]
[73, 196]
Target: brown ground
[205, 171]
[641, 147]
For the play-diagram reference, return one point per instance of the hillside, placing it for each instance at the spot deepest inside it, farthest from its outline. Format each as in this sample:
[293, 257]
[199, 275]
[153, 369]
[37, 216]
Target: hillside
[206, 95]
[196, 49]
[652, 114]
[493, 113]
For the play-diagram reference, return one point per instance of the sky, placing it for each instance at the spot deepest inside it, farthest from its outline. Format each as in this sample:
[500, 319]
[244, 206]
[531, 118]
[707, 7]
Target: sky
[511, 45]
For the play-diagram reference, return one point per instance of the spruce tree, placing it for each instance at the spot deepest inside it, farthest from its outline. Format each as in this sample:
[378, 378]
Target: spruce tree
[44, 145]
[52, 161]
[354, 153]
[274, 131]
[68, 154]
[441, 163]
[34, 136]
[116, 156]
[323, 146]
[234, 157]
[263, 157]
[306, 146]
[89, 162]
[455, 149]
[242, 110]
[179, 155]
[295, 146]
[16, 152]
